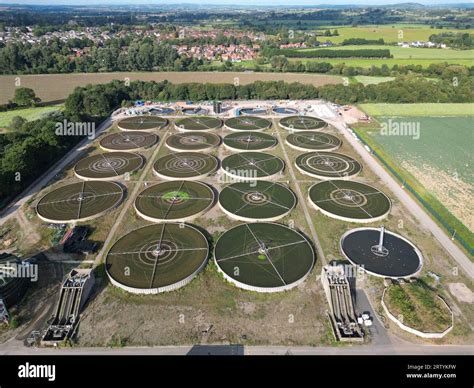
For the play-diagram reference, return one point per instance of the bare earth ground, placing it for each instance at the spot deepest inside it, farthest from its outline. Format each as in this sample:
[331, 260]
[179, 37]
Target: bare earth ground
[208, 310]
[353, 115]
[56, 87]
[462, 293]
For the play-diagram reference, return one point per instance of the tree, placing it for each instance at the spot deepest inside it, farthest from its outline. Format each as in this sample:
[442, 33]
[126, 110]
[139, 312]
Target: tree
[25, 97]
[16, 123]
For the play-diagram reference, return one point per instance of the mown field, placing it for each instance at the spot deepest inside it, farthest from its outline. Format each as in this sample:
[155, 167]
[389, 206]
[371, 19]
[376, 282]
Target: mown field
[28, 114]
[388, 33]
[56, 87]
[438, 164]
[429, 109]
[410, 52]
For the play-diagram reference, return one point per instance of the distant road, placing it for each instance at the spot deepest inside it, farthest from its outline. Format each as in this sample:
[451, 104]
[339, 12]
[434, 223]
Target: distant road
[41, 182]
[415, 209]
[56, 87]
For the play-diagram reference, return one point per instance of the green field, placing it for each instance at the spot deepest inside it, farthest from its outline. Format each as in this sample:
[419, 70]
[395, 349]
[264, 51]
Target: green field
[27, 113]
[430, 109]
[401, 56]
[387, 33]
[411, 52]
[436, 164]
[367, 63]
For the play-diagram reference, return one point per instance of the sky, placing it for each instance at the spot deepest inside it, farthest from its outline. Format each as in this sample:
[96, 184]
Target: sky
[231, 2]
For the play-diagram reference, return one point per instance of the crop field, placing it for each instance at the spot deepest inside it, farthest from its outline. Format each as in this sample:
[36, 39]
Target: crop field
[438, 162]
[28, 114]
[388, 34]
[56, 87]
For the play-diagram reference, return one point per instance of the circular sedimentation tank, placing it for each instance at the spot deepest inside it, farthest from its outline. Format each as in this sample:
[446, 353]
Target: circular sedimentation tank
[192, 141]
[282, 110]
[249, 141]
[157, 258]
[257, 201]
[128, 141]
[247, 123]
[194, 111]
[185, 165]
[382, 253]
[142, 123]
[253, 111]
[252, 166]
[313, 141]
[174, 201]
[264, 257]
[327, 165]
[200, 123]
[349, 201]
[302, 123]
[162, 111]
[12, 288]
[80, 201]
[108, 166]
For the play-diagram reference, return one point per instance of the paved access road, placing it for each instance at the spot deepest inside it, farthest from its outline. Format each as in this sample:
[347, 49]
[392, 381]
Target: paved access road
[399, 348]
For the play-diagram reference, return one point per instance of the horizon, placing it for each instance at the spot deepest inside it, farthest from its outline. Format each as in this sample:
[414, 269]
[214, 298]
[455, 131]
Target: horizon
[265, 3]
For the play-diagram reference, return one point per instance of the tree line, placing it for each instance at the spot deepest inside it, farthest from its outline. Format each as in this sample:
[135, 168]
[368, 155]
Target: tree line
[94, 101]
[280, 63]
[362, 41]
[57, 57]
[456, 40]
[332, 53]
